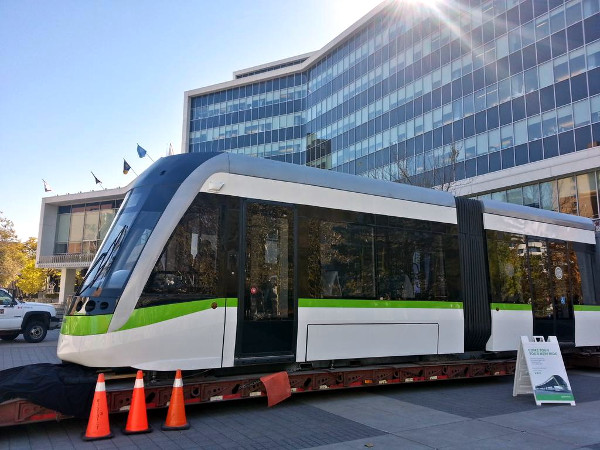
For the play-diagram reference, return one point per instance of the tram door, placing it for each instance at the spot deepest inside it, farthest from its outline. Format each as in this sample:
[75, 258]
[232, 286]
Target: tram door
[552, 291]
[266, 311]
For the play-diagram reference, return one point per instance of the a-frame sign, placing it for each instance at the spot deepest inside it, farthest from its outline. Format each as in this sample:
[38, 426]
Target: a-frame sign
[541, 371]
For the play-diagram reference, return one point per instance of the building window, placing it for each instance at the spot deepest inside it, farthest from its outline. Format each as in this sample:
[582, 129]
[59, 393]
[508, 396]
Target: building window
[567, 195]
[587, 195]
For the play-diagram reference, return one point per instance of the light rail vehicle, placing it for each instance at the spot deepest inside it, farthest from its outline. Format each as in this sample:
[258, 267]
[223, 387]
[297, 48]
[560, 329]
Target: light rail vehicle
[217, 260]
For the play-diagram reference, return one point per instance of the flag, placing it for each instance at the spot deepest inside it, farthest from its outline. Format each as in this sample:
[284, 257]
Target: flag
[47, 187]
[126, 167]
[171, 152]
[96, 179]
[141, 151]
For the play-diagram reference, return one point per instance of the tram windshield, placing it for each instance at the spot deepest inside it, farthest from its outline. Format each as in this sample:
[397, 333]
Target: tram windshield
[121, 249]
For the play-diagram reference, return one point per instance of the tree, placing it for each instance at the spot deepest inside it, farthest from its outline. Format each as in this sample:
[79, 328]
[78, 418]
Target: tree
[30, 248]
[12, 257]
[32, 280]
[435, 169]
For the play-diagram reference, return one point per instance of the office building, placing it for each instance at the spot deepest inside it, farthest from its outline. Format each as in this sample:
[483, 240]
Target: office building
[497, 98]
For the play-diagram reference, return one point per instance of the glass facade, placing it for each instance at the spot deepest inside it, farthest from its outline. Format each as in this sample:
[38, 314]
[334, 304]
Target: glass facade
[469, 89]
[81, 228]
[572, 195]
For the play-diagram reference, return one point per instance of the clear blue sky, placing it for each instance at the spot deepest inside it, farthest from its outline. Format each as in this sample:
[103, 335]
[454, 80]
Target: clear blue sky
[82, 82]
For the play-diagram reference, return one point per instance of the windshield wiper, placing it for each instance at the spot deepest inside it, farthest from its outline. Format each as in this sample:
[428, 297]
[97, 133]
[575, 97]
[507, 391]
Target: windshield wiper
[90, 271]
[104, 261]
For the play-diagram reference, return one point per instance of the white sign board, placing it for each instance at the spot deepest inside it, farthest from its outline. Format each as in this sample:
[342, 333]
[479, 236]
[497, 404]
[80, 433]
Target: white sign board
[541, 371]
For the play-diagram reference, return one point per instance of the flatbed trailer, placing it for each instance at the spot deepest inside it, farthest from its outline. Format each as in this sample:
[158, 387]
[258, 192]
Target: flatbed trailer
[216, 389]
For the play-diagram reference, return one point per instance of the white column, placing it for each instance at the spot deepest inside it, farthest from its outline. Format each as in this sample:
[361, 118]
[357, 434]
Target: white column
[67, 284]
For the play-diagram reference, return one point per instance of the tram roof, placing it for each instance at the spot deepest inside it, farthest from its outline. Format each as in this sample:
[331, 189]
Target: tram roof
[539, 215]
[178, 167]
[275, 170]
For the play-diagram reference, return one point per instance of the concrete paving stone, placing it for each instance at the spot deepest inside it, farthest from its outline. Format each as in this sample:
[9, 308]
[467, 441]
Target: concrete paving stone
[548, 415]
[185, 445]
[103, 445]
[387, 414]
[517, 440]
[472, 398]
[457, 433]
[384, 441]
[61, 443]
[478, 398]
[41, 444]
[585, 432]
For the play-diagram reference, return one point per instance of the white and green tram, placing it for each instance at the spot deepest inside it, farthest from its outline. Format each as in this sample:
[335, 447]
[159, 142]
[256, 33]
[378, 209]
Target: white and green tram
[220, 260]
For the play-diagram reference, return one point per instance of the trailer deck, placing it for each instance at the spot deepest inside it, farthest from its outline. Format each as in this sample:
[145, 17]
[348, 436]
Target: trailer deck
[212, 389]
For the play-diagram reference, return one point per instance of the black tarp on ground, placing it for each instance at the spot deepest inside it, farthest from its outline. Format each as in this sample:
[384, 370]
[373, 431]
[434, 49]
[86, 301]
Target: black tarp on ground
[66, 388]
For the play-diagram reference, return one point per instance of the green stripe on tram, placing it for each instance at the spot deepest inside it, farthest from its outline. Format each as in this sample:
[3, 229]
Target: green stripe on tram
[352, 303]
[83, 325]
[511, 306]
[595, 308]
[79, 325]
[154, 314]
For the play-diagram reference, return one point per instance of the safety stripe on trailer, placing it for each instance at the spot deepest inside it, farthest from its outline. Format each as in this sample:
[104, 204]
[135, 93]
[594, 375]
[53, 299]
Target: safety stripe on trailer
[511, 306]
[352, 303]
[587, 308]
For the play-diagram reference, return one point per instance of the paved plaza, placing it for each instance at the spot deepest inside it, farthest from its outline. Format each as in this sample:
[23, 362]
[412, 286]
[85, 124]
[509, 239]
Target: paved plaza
[477, 414]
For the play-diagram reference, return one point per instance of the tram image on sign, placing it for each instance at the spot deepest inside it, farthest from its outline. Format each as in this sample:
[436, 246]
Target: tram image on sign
[554, 384]
[217, 260]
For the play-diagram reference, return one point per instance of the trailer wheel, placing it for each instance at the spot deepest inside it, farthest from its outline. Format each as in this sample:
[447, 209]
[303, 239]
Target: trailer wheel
[35, 331]
[10, 337]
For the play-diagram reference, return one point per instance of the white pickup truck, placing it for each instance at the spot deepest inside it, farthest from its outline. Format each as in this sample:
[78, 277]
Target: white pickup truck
[32, 319]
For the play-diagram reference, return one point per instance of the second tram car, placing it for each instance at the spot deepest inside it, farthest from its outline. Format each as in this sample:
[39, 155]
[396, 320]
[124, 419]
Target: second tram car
[220, 260]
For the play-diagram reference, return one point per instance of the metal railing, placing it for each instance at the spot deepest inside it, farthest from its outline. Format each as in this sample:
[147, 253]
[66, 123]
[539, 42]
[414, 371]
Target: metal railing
[66, 260]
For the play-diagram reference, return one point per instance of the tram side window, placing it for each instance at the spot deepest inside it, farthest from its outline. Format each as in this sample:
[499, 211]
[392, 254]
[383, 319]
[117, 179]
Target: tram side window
[581, 258]
[507, 260]
[350, 260]
[411, 265]
[187, 268]
[346, 260]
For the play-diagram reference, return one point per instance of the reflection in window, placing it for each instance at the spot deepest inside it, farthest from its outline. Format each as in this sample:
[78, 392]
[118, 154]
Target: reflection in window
[507, 263]
[515, 196]
[269, 265]
[542, 302]
[567, 195]
[531, 196]
[187, 267]
[348, 260]
[549, 196]
[560, 276]
[499, 196]
[587, 195]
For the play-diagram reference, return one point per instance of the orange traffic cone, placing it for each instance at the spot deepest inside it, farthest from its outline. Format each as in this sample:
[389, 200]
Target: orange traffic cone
[98, 427]
[137, 420]
[176, 415]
